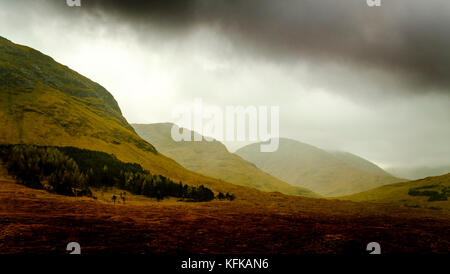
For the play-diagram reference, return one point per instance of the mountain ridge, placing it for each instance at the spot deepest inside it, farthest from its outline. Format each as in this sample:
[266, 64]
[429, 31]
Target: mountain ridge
[308, 166]
[213, 159]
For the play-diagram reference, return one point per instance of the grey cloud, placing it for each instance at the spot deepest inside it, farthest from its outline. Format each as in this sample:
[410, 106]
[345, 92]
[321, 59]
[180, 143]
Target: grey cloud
[405, 37]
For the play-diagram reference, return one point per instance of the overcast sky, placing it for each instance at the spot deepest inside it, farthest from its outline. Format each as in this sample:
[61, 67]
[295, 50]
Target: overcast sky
[371, 81]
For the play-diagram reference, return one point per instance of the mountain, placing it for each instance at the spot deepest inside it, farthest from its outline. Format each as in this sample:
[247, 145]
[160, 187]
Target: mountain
[45, 103]
[325, 173]
[213, 159]
[430, 192]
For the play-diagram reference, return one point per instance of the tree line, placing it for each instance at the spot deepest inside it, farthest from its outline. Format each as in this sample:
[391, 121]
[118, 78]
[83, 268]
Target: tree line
[432, 194]
[71, 171]
[45, 168]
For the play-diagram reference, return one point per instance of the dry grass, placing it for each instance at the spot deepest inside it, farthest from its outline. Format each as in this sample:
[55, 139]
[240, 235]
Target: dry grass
[34, 221]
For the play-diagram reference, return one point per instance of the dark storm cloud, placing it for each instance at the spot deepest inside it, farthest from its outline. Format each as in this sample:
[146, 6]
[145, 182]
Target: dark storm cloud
[407, 37]
[175, 14]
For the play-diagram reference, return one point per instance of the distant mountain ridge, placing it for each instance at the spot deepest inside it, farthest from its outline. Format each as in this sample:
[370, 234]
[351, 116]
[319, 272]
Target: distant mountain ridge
[329, 174]
[213, 159]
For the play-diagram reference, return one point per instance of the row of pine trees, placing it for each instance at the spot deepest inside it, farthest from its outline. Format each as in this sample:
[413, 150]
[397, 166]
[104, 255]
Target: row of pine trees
[31, 166]
[71, 171]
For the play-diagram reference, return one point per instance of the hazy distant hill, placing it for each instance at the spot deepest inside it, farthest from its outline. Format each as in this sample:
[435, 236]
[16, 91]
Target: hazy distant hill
[412, 194]
[358, 162]
[45, 103]
[213, 159]
[414, 173]
[329, 174]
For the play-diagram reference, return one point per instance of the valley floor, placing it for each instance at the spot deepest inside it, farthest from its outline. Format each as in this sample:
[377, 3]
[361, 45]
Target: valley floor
[34, 221]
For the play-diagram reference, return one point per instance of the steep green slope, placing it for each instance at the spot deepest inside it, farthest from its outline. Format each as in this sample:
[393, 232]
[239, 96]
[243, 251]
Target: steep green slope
[213, 159]
[42, 99]
[303, 165]
[45, 103]
[411, 194]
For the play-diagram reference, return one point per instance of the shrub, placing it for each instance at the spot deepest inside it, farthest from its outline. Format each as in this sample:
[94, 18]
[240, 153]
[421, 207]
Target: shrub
[432, 194]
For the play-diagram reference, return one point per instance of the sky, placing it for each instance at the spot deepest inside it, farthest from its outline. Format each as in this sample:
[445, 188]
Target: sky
[374, 81]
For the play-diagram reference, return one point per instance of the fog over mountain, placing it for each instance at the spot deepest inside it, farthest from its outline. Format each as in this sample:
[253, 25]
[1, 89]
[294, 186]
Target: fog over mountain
[347, 77]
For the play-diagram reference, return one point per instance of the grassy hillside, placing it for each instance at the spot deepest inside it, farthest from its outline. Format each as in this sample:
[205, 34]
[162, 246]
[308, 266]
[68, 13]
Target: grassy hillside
[213, 159]
[45, 103]
[303, 165]
[410, 194]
